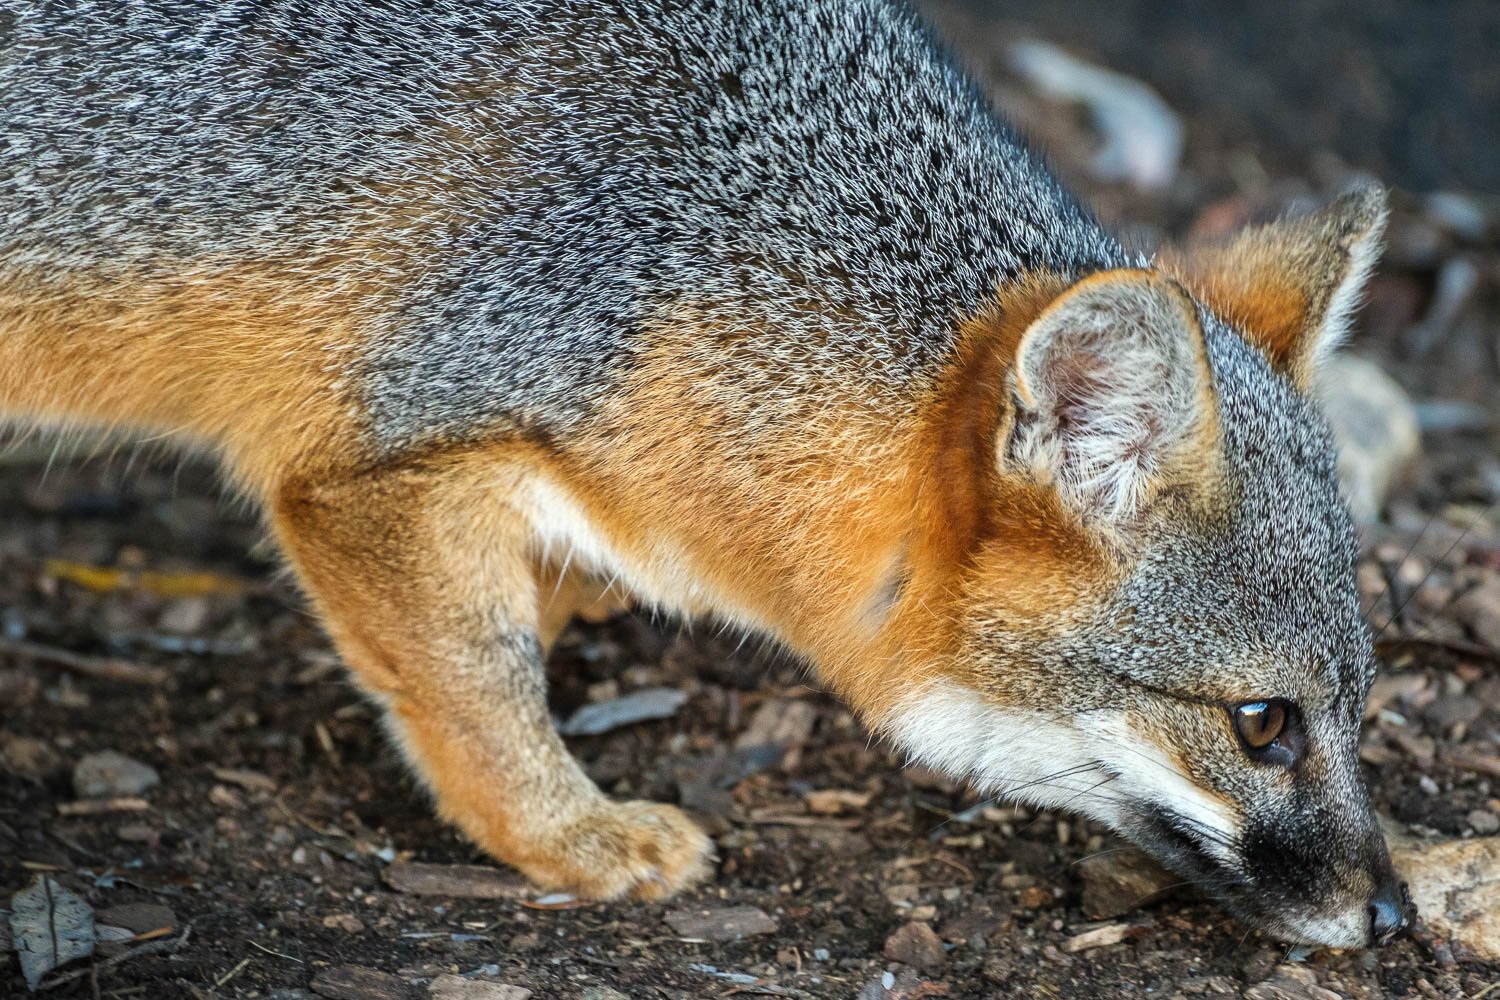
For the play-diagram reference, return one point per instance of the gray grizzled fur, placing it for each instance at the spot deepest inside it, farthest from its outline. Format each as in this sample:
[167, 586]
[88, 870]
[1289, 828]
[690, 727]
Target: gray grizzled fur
[592, 162]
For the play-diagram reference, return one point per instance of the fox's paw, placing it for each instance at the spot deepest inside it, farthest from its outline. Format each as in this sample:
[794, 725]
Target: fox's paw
[641, 849]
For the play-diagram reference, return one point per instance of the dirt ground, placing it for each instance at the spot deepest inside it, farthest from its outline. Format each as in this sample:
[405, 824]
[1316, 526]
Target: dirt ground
[282, 852]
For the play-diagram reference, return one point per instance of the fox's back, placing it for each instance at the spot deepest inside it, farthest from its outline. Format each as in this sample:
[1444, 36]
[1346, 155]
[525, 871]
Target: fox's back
[516, 194]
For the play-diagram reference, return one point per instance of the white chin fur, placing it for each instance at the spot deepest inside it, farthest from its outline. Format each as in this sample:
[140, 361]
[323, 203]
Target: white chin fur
[1050, 760]
[1350, 930]
[1021, 754]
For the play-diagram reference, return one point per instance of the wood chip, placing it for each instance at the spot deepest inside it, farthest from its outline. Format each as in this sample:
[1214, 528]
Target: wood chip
[727, 924]
[1473, 760]
[458, 881]
[353, 982]
[450, 987]
[251, 781]
[832, 801]
[1099, 937]
[98, 667]
[93, 807]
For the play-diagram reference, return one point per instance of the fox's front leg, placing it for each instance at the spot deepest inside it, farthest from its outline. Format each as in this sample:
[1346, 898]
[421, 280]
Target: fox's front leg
[427, 582]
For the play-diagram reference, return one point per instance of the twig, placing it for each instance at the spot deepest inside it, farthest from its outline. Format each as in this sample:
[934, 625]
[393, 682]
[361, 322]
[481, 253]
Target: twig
[278, 954]
[91, 807]
[1453, 646]
[226, 977]
[102, 668]
[164, 946]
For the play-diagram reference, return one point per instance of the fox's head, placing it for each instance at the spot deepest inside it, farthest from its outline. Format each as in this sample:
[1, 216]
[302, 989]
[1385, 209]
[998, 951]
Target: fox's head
[1160, 628]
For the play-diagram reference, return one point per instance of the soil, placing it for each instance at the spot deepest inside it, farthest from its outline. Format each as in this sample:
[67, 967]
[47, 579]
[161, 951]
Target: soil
[281, 807]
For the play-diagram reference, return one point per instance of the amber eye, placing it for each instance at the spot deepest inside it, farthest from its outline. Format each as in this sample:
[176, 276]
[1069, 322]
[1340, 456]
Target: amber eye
[1260, 723]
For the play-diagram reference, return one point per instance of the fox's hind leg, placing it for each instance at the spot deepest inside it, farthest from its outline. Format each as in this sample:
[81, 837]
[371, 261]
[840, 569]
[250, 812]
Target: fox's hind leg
[427, 580]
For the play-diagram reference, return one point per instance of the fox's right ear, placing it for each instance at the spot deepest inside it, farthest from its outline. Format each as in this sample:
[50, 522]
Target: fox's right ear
[1112, 395]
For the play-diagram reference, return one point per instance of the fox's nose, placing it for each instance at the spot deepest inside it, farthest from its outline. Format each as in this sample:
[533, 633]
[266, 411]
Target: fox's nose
[1390, 912]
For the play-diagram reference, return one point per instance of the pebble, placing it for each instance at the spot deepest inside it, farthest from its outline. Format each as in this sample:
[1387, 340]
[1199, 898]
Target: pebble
[1428, 786]
[729, 923]
[1034, 897]
[1479, 609]
[1452, 709]
[917, 945]
[28, 758]
[903, 984]
[137, 833]
[110, 774]
[1483, 821]
[779, 722]
[346, 922]
[1121, 881]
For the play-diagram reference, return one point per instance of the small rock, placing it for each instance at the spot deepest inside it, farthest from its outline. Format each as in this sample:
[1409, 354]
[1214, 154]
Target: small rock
[1034, 897]
[225, 797]
[1120, 881]
[185, 616]
[638, 706]
[1479, 609]
[903, 984]
[1428, 786]
[916, 944]
[1099, 937]
[110, 774]
[1456, 886]
[1374, 425]
[449, 987]
[779, 722]
[458, 881]
[1483, 821]
[1452, 709]
[346, 922]
[726, 924]
[1392, 687]
[137, 833]
[354, 982]
[28, 758]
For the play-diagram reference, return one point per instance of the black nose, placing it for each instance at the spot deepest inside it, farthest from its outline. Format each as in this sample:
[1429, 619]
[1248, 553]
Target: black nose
[1390, 912]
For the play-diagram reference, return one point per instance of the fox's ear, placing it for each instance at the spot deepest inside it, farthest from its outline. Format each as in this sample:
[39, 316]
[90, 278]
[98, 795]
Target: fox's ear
[1112, 394]
[1291, 286]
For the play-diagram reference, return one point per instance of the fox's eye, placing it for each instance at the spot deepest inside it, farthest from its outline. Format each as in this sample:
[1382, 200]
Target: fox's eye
[1259, 723]
[1268, 729]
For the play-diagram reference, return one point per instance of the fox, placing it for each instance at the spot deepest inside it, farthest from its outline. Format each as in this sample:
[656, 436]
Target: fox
[752, 310]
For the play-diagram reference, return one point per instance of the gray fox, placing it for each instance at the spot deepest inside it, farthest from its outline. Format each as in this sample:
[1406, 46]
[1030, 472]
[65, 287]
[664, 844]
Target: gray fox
[747, 308]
